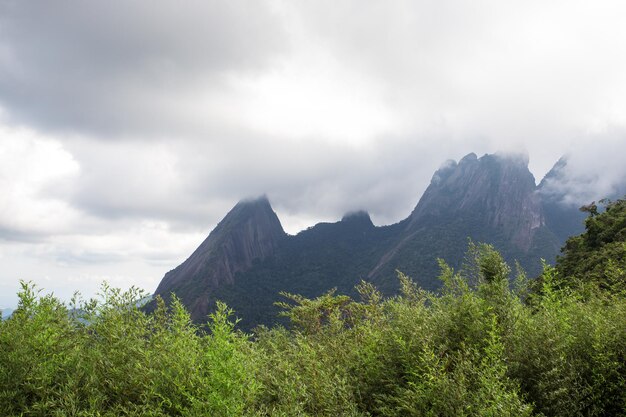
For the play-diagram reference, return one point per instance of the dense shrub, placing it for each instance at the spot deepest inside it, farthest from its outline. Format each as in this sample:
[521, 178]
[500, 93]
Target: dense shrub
[477, 348]
[108, 357]
[597, 258]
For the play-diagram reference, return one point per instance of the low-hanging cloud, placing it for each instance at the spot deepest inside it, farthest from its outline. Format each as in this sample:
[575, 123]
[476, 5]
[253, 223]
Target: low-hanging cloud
[590, 172]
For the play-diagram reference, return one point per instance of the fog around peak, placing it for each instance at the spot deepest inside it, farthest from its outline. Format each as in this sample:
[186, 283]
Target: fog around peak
[589, 173]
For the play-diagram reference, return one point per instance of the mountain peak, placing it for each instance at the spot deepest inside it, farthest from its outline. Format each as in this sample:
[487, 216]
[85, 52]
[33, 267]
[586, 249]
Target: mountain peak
[555, 175]
[250, 232]
[257, 209]
[259, 201]
[470, 157]
[520, 158]
[249, 205]
[497, 187]
[359, 217]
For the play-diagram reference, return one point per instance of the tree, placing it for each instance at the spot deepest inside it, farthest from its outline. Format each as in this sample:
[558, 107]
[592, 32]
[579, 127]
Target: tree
[597, 258]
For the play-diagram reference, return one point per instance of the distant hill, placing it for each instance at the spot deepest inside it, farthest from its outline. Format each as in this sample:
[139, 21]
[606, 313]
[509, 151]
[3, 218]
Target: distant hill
[248, 258]
[6, 313]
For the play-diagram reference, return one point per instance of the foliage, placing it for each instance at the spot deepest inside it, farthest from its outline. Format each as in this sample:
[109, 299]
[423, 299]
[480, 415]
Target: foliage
[480, 347]
[108, 358]
[597, 258]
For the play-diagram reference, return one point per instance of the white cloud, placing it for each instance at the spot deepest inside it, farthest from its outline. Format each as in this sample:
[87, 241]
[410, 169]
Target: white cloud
[116, 67]
[593, 170]
[129, 130]
[29, 165]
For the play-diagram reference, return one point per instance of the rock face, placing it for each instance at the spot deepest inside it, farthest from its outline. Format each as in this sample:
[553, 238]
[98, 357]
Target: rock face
[563, 190]
[561, 216]
[248, 259]
[250, 232]
[499, 189]
[491, 199]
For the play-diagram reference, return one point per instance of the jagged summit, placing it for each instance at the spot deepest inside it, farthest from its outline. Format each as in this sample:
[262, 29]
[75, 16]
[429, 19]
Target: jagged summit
[521, 158]
[490, 199]
[250, 231]
[259, 201]
[556, 172]
[249, 207]
[499, 188]
[360, 217]
[562, 216]
[255, 216]
[470, 157]
[572, 185]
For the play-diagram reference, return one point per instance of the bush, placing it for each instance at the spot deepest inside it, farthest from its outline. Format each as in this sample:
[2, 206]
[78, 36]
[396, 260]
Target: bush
[478, 348]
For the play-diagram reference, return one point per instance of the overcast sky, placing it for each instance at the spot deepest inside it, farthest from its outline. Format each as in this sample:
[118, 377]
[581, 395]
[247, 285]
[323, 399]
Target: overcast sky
[129, 128]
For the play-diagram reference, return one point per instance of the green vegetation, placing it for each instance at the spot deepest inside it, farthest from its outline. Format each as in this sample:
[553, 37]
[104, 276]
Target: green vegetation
[110, 358]
[597, 258]
[479, 347]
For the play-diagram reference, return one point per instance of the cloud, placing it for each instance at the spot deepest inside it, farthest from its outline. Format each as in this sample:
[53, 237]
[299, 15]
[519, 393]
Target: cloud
[114, 67]
[29, 164]
[129, 253]
[591, 170]
[191, 186]
[129, 129]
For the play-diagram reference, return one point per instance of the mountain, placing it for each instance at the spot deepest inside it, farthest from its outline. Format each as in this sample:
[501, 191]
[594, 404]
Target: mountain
[6, 313]
[562, 182]
[250, 232]
[496, 190]
[492, 199]
[248, 258]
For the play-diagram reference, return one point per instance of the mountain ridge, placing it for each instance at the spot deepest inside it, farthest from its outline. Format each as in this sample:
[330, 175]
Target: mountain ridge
[248, 258]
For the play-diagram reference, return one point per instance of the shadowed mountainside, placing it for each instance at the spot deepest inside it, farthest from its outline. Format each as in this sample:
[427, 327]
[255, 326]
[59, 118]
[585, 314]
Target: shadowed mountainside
[248, 258]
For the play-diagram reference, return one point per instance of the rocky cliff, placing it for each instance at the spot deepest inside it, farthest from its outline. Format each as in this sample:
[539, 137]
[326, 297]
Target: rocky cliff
[562, 215]
[498, 189]
[491, 199]
[250, 232]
